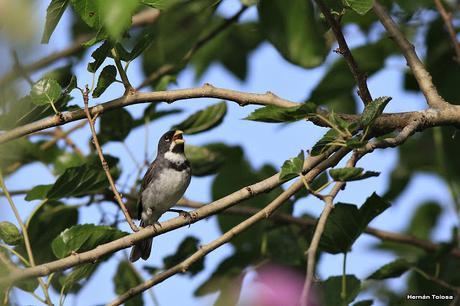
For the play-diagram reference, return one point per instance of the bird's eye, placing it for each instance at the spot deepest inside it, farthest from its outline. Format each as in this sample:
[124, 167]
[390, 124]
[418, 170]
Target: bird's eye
[168, 139]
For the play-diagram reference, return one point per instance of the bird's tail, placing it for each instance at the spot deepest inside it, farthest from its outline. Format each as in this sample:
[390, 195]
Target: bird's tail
[141, 249]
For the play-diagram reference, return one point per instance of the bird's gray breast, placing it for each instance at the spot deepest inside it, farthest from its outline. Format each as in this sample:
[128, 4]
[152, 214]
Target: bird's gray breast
[165, 189]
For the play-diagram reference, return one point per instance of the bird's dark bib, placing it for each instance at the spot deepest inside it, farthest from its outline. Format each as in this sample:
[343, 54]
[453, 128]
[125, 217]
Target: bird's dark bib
[179, 166]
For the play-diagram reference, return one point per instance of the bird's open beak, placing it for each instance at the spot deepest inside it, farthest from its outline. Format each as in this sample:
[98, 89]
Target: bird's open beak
[177, 137]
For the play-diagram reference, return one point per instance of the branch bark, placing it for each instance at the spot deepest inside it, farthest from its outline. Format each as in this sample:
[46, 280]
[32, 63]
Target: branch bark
[360, 77]
[447, 18]
[386, 123]
[422, 76]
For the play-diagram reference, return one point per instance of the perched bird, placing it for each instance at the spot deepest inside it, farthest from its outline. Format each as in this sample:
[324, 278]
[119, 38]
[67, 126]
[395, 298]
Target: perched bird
[164, 183]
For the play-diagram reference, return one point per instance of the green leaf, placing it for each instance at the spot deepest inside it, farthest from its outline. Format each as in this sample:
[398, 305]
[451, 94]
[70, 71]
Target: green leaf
[159, 4]
[187, 247]
[364, 303]
[143, 42]
[360, 6]
[126, 278]
[203, 120]
[88, 11]
[24, 111]
[332, 289]
[116, 15]
[20, 152]
[165, 81]
[373, 110]
[235, 174]
[9, 233]
[351, 174]
[208, 159]
[47, 221]
[323, 144]
[45, 91]
[393, 269]
[81, 180]
[292, 167]
[67, 160]
[29, 285]
[70, 282]
[278, 114]
[175, 32]
[231, 48]
[99, 55]
[63, 75]
[424, 220]
[115, 125]
[286, 245]
[38, 192]
[296, 34]
[151, 114]
[346, 223]
[53, 15]
[81, 238]
[225, 274]
[106, 78]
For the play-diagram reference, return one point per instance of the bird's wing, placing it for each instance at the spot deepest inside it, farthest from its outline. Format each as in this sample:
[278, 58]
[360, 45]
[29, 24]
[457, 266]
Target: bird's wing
[145, 182]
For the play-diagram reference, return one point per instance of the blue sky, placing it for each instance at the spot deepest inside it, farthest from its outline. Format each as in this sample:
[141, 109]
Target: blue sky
[262, 143]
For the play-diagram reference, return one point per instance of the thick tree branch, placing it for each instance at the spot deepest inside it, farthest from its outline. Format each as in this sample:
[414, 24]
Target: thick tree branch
[384, 124]
[447, 18]
[422, 76]
[105, 166]
[315, 165]
[360, 77]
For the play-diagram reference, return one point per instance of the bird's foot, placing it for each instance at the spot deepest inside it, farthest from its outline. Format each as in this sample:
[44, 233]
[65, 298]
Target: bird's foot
[154, 225]
[184, 214]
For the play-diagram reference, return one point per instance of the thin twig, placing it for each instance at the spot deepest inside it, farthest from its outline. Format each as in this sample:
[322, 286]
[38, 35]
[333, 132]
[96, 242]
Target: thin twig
[422, 76]
[18, 67]
[360, 77]
[447, 18]
[168, 68]
[124, 78]
[25, 234]
[105, 166]
[437, 280]
[311, 253]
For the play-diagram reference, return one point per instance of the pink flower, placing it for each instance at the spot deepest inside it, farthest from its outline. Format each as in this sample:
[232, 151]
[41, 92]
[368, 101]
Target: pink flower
[278, 286]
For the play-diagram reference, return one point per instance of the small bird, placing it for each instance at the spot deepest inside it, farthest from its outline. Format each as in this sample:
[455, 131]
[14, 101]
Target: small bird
[164, 183]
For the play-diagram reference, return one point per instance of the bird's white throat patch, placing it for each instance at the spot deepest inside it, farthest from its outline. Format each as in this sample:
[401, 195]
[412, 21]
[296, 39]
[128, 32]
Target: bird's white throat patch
[175, 157]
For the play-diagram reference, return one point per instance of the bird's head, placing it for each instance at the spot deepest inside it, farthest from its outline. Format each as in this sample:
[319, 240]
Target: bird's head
[171, 141]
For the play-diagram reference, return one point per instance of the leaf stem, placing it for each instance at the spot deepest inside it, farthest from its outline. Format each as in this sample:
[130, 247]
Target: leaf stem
[343, 294]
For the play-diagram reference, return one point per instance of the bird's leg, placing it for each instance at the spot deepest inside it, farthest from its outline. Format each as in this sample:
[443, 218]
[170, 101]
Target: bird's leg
[184, 214]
